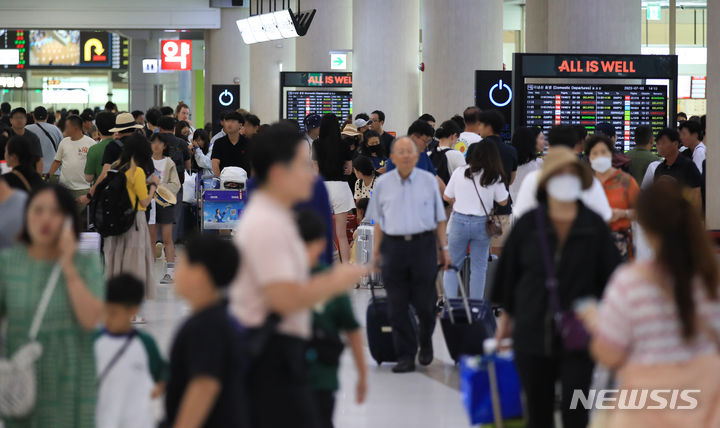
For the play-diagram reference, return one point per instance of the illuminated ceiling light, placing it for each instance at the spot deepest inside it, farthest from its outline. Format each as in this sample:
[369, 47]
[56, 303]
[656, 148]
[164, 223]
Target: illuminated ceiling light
[281, 24]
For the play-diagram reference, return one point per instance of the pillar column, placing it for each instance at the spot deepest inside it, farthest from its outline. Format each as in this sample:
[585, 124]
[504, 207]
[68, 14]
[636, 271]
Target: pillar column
[268, 60]
[331, 30]
[227, 57]
[452, 52]
[140, 84]
[385, 59]
[712, 207]
[571, 26]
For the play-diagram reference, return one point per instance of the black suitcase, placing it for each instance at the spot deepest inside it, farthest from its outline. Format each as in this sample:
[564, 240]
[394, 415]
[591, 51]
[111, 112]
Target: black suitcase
[466, 323]
[379, 331]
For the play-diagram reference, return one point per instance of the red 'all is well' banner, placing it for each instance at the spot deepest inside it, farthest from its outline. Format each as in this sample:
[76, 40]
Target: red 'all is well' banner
[593, 66]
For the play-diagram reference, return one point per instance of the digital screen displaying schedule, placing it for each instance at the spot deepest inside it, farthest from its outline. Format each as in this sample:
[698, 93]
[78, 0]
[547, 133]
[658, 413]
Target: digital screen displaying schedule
[623, 106]
[299, 104]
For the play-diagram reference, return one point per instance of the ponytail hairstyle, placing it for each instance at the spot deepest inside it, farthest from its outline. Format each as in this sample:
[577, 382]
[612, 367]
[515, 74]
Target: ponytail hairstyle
[485, 158]
[685, 251]
[447, 129]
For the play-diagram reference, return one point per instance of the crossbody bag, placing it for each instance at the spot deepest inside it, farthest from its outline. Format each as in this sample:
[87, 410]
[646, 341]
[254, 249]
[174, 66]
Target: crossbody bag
[492, 222]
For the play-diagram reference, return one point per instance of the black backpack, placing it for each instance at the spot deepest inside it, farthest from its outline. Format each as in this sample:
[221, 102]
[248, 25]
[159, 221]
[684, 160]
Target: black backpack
[111, 210]
[438, 157]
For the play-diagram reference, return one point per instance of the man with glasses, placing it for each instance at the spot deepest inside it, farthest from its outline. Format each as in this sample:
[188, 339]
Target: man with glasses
[409, 217]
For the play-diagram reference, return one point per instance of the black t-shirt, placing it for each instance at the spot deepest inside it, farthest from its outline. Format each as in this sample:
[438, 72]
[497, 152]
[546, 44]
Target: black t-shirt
[112, 152]
[231, 154]
[208, 344]
[34, 140]
[386, 141]
[683, 170]
[179, 153]
[31, 176]
[509, 159]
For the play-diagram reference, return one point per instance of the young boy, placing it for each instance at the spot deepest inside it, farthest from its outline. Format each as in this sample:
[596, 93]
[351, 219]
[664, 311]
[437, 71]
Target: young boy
[329, 319]
[205, 385]
[130, 370]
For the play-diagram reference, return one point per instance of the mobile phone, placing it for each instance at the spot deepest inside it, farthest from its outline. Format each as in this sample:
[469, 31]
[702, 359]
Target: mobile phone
[582, 304]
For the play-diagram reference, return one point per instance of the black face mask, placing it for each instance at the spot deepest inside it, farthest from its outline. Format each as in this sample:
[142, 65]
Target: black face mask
[373, 149]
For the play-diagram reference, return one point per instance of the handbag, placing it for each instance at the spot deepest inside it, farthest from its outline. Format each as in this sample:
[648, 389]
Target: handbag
[492, 222]
[18, 380]
[572, 331]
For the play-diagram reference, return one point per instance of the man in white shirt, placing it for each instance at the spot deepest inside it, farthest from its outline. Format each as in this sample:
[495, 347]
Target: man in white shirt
[471, 115]
[49, 136]
[72, 156]
[594, 198]
[690, 133]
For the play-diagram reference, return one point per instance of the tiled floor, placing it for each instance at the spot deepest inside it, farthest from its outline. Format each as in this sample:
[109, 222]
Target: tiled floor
[424, 399]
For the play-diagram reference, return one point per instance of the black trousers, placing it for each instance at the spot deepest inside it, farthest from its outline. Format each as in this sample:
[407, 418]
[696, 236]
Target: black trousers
[277, 389]
[409, 269]
[325, 405]
[538, 376]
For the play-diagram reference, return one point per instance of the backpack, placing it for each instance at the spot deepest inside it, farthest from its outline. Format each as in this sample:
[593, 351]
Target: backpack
[439, 160]
[111, 210]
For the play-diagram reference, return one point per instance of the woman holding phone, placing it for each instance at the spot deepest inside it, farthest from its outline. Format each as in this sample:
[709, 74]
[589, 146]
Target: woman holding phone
[66, 370]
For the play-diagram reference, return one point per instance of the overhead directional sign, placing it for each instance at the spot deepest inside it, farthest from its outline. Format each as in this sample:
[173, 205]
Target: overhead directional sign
[338, 61]
[654, 12]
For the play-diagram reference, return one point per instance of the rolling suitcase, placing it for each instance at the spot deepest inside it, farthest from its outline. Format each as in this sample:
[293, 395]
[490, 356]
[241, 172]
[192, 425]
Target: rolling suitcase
[364, 249]
[466, 323]
[379, 331]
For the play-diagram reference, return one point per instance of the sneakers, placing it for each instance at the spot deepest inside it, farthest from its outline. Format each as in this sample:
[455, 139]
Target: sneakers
[158, 249]
[167, 279]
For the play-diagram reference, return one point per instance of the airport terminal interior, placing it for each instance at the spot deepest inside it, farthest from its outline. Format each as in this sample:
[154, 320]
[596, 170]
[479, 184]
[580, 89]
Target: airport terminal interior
[359, 213]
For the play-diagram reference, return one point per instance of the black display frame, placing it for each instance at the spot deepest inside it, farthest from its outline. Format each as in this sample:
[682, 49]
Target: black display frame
[299, 79]
[649, 67]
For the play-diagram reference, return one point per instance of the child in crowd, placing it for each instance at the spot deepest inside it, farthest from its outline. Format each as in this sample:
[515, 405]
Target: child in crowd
[130, 370]
[167, 172]
[329, 319]
[360, 209]
[205, 385]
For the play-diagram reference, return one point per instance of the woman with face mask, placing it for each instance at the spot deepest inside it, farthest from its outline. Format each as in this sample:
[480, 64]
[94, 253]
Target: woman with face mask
[621, 190]
[372, 148]
[557, 255]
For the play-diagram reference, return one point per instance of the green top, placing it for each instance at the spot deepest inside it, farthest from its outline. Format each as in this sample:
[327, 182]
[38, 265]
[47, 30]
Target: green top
[66, 370]
[335, 316]
[640, 159]
[93, 165]
[159, 369]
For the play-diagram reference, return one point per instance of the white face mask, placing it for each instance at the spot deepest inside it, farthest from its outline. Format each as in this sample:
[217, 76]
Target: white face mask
[564, 187]
[601, 164]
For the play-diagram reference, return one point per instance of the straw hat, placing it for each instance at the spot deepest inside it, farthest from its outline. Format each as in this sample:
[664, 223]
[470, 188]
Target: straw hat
[350, 130]
[125, 121]
[164, 197]
[559, 157]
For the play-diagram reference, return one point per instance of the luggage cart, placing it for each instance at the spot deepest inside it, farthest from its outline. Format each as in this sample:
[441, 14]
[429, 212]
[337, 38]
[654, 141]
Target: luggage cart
[220, 209]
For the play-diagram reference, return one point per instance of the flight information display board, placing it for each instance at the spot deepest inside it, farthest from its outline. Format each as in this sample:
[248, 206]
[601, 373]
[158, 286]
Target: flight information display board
[299, 104]
[623, 106]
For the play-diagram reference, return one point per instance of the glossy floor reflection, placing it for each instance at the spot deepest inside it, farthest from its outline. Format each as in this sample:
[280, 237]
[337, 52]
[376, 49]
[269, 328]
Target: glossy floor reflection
[426, 398]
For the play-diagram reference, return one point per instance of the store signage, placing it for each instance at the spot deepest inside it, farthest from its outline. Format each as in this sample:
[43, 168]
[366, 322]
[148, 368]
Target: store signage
[328, 79]
[621, 66]
[338, 61]
[176, 54]
[224, 98]
[654, 12]
[150, 65]
[11, 82]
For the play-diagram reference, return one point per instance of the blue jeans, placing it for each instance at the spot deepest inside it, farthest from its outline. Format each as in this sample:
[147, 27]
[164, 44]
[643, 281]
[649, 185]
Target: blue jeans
[467, 230]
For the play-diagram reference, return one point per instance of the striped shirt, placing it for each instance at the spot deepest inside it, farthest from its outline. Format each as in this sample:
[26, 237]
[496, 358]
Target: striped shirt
[640, 319]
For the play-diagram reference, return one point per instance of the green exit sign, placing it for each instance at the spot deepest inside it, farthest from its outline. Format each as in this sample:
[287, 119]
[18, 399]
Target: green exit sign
[654, 12]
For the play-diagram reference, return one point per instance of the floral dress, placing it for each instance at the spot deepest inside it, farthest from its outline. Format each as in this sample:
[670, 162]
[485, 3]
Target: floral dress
[66, 370]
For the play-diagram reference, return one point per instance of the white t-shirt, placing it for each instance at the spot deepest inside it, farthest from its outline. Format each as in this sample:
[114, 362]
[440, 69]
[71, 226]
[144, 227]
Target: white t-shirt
[649, 177]
[73, 156]
[124, 397]
[594, 197]
[455, 160]
[522, 172]
[698, 156]
[160, 167]
[465, 140]
[462, 190]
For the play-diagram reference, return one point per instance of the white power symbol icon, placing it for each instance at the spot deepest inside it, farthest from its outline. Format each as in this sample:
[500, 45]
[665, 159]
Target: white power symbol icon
[500, 86]
[224, 94]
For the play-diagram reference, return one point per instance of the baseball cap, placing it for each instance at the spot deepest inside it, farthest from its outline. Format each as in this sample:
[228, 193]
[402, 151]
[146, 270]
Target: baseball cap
[40, 113]
[312, 121]
[87, 115]
[360, 122]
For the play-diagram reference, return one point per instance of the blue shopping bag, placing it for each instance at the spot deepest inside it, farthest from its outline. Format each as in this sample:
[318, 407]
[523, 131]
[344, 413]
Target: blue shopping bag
[476, 388]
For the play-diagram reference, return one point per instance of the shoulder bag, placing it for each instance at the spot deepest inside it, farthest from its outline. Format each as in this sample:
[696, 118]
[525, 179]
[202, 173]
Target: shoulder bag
[22, 178]
[18, 380]
[47, 134]
[572, 331]
[492, 222]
